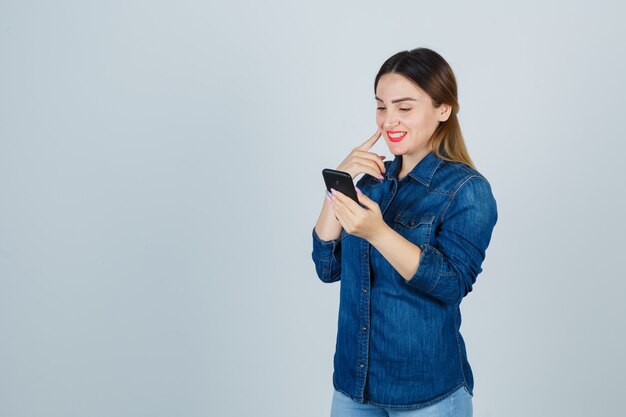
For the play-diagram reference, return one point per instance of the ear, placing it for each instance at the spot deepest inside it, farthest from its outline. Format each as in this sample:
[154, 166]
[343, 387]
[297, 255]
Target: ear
[444, 111]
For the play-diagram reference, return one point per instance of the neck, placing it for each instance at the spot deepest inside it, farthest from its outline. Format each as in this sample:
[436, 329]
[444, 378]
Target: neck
[409, 161]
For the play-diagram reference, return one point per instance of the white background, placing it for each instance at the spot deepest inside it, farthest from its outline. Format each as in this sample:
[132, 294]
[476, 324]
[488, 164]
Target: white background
[160, 175]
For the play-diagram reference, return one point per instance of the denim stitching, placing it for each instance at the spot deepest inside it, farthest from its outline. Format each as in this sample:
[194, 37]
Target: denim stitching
[440, 262]
[443, 213]
[404, 219]
[396, 407]
[325, 269]
[458, 345]
[432, 173]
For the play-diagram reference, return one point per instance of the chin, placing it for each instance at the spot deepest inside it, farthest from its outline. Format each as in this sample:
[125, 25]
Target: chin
[396, 149]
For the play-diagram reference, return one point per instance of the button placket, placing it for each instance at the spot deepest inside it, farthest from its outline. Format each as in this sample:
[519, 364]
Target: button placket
[364, 317]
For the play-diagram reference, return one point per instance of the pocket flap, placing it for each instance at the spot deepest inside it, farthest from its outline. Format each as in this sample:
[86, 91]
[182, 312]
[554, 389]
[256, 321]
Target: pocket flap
[411, 220]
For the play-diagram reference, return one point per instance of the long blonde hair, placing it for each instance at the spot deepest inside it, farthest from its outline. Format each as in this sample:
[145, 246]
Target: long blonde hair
[431, 73]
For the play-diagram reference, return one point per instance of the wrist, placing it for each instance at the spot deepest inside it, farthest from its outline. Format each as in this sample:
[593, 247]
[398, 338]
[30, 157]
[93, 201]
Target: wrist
[380, 235]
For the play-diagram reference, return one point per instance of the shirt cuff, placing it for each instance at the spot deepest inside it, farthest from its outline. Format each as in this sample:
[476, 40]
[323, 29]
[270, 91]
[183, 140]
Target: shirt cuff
[428, 270]
[325, 248]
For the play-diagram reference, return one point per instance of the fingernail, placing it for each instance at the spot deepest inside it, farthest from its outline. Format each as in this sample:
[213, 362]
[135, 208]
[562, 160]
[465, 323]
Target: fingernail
[332, 190]
[358, 190]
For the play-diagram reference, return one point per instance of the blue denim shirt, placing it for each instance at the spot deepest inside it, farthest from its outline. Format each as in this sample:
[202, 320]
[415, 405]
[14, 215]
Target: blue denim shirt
[398, 342]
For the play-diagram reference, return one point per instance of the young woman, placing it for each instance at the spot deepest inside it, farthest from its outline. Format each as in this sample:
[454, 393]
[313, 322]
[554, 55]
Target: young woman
[408, 256]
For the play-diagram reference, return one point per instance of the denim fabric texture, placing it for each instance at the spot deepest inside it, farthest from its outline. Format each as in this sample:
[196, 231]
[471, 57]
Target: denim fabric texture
[398, 342]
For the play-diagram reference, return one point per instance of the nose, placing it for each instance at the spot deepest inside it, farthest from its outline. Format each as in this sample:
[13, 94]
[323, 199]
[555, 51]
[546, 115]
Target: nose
[390, 124]
[391, 121]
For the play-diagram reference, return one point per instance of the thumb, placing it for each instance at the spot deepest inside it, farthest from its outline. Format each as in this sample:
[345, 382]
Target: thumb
[365, 200]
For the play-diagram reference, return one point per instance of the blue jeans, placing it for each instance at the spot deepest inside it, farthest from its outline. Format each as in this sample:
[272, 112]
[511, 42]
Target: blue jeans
[458, 404]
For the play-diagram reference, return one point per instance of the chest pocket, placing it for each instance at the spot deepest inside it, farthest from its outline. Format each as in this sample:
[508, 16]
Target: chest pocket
[415, 227]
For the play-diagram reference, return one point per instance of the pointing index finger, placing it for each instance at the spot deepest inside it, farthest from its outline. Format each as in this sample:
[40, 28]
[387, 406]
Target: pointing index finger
[365, 146]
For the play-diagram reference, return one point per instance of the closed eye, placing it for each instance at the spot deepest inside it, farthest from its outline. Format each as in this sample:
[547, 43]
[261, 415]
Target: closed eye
[401, 109]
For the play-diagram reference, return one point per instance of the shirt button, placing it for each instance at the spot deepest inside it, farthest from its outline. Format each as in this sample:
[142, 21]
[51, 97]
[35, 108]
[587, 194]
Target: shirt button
[364, 289]
[364, 328]
[365, 255]
[412, 223]
[362, 366]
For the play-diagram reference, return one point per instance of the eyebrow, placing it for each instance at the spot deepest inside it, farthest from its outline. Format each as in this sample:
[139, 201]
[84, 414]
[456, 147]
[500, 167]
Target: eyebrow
[398, 100]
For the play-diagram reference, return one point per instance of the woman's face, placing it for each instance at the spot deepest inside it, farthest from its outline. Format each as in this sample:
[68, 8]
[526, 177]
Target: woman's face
[406, 115]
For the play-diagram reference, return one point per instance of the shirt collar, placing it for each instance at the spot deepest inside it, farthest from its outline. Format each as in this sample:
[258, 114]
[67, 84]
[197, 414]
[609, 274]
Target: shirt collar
[422, 172]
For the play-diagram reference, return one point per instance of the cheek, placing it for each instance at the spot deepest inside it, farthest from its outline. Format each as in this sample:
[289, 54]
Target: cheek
[379, 120]
[410, 122]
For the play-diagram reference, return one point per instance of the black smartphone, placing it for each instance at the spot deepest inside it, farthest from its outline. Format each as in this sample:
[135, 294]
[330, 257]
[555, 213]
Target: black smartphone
[340, 181]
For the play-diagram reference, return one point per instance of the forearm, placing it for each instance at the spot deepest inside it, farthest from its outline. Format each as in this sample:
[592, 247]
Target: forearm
[327, 226]
[400, 253]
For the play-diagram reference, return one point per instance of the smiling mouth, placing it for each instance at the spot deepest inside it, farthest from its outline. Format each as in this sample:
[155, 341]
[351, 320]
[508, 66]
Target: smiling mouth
[396, 135]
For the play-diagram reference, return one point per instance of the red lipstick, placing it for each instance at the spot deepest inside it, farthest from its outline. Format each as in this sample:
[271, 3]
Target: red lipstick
[394, 132]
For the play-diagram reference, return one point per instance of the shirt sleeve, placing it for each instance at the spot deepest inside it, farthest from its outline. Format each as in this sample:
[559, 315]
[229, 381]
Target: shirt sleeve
[448, 269]
[327, 258]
